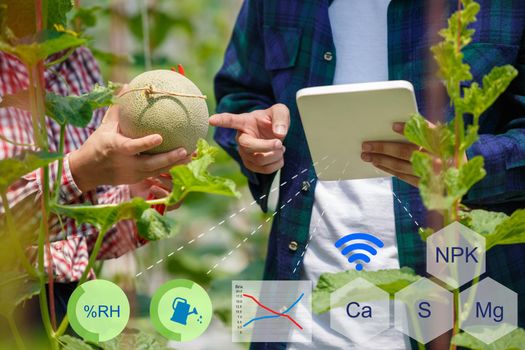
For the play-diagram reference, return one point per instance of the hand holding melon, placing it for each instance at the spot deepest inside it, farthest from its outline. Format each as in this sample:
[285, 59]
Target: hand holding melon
[166, 103]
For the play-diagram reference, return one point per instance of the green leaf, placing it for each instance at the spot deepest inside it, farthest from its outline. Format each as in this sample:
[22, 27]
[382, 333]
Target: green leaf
[110, 58]
[194, 177]
[471, 136]
[85, 16]
[459, 182]
[57, 11]
[103, 216]
[431, 185]
[482, 221]
[42, 46]
[448, 53]
[132, 339]
[477, 100]
[15, 288]
[390, 281]
[154, 226]
[515, 340]
[509, 231]
[72, 343]
[12, 169]
[78, 110]
[438, 140]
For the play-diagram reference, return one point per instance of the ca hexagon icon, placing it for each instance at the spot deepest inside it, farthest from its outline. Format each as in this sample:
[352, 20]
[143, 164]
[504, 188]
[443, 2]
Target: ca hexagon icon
[424, 310]
[488, 310]
[456, 255]
[359, 310]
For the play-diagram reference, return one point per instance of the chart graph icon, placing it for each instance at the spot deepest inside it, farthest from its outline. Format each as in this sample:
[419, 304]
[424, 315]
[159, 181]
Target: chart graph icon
[271, 311]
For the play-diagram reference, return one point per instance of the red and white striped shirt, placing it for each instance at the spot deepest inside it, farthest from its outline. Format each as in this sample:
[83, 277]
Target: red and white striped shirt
[71, 244]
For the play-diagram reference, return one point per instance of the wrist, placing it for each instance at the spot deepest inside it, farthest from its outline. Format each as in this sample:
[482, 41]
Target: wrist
[80, 171]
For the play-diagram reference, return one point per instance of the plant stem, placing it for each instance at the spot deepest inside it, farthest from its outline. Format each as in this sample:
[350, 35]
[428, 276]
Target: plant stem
[60, 164]
[10, 224]
[92, 258]
[16, 334]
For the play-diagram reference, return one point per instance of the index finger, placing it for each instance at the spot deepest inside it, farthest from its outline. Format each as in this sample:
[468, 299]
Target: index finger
[228, 120]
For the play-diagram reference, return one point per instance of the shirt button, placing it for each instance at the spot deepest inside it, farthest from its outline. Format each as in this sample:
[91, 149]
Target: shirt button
[293, 246]
[305, 187]
[328, 56]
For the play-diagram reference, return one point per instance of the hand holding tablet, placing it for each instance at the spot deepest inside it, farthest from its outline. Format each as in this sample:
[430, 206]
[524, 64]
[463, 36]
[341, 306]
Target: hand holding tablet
[344, 122]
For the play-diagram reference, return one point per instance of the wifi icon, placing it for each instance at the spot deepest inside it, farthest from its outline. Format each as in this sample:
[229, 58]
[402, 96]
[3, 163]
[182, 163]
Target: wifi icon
[360, 257]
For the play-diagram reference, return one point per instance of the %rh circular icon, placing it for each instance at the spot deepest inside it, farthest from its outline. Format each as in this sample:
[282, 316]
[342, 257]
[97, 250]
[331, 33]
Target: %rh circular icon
[107, 311]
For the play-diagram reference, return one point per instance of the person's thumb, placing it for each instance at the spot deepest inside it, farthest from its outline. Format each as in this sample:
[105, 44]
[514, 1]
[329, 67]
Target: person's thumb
[112, 115]
[280, 120]
[111, 118]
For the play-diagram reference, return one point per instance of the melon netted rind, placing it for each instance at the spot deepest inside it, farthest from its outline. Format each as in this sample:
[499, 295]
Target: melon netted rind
[181, 121]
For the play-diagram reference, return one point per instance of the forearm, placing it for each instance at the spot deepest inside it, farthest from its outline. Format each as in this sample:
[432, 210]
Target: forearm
[505, 166]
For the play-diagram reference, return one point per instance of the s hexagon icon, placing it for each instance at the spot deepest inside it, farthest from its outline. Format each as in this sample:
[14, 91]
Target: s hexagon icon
[424, 310]
[359, 310]
[456, 255]
[488, 310]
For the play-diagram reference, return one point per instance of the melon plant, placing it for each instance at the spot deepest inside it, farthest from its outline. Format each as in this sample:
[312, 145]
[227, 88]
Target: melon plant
[166, 103]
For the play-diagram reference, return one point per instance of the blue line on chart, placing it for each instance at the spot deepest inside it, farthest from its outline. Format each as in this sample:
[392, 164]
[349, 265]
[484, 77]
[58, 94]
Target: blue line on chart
[275, 316]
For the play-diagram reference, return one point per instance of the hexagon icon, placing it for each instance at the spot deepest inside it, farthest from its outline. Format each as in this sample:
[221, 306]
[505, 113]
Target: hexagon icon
[488, 310]
[359, 310]
[424, 310]
[456, 255]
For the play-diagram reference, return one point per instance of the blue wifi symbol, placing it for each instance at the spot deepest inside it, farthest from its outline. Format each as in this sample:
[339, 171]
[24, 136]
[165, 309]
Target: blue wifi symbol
[366, 247]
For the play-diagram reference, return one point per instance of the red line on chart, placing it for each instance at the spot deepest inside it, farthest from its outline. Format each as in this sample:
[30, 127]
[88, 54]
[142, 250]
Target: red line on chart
[272, 311]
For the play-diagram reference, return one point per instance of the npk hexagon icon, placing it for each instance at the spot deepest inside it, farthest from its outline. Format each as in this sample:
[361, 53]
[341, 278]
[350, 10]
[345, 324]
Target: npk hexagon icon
[456, 255]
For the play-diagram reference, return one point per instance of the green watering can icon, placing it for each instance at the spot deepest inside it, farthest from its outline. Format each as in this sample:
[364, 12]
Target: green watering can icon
[181, 310]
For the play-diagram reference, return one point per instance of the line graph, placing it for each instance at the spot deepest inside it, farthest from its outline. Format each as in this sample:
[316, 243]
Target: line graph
[271, 311]
[276, 314]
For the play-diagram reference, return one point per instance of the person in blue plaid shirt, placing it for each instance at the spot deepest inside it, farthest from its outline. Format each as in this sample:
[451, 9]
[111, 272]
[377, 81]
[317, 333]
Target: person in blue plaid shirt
[279, 47]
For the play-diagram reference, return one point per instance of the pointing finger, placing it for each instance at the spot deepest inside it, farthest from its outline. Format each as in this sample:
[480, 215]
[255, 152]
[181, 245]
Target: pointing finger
[252, 144]
[228, 120]
[280, 120]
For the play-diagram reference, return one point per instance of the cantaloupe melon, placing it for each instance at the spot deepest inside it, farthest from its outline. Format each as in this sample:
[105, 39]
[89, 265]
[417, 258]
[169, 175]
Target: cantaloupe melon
[180, 120]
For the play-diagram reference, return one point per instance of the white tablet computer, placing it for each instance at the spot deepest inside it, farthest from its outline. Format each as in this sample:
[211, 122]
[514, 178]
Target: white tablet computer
[338, 118]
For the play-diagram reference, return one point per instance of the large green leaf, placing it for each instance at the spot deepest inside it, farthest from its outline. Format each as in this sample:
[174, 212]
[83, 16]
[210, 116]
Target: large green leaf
[78, 110]
[482, 221]
[11, 169]
[390, 281]
[515, 340]
[195, 176]
[509, 231]
[42, 46]
[103, 216]
[154, 226]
